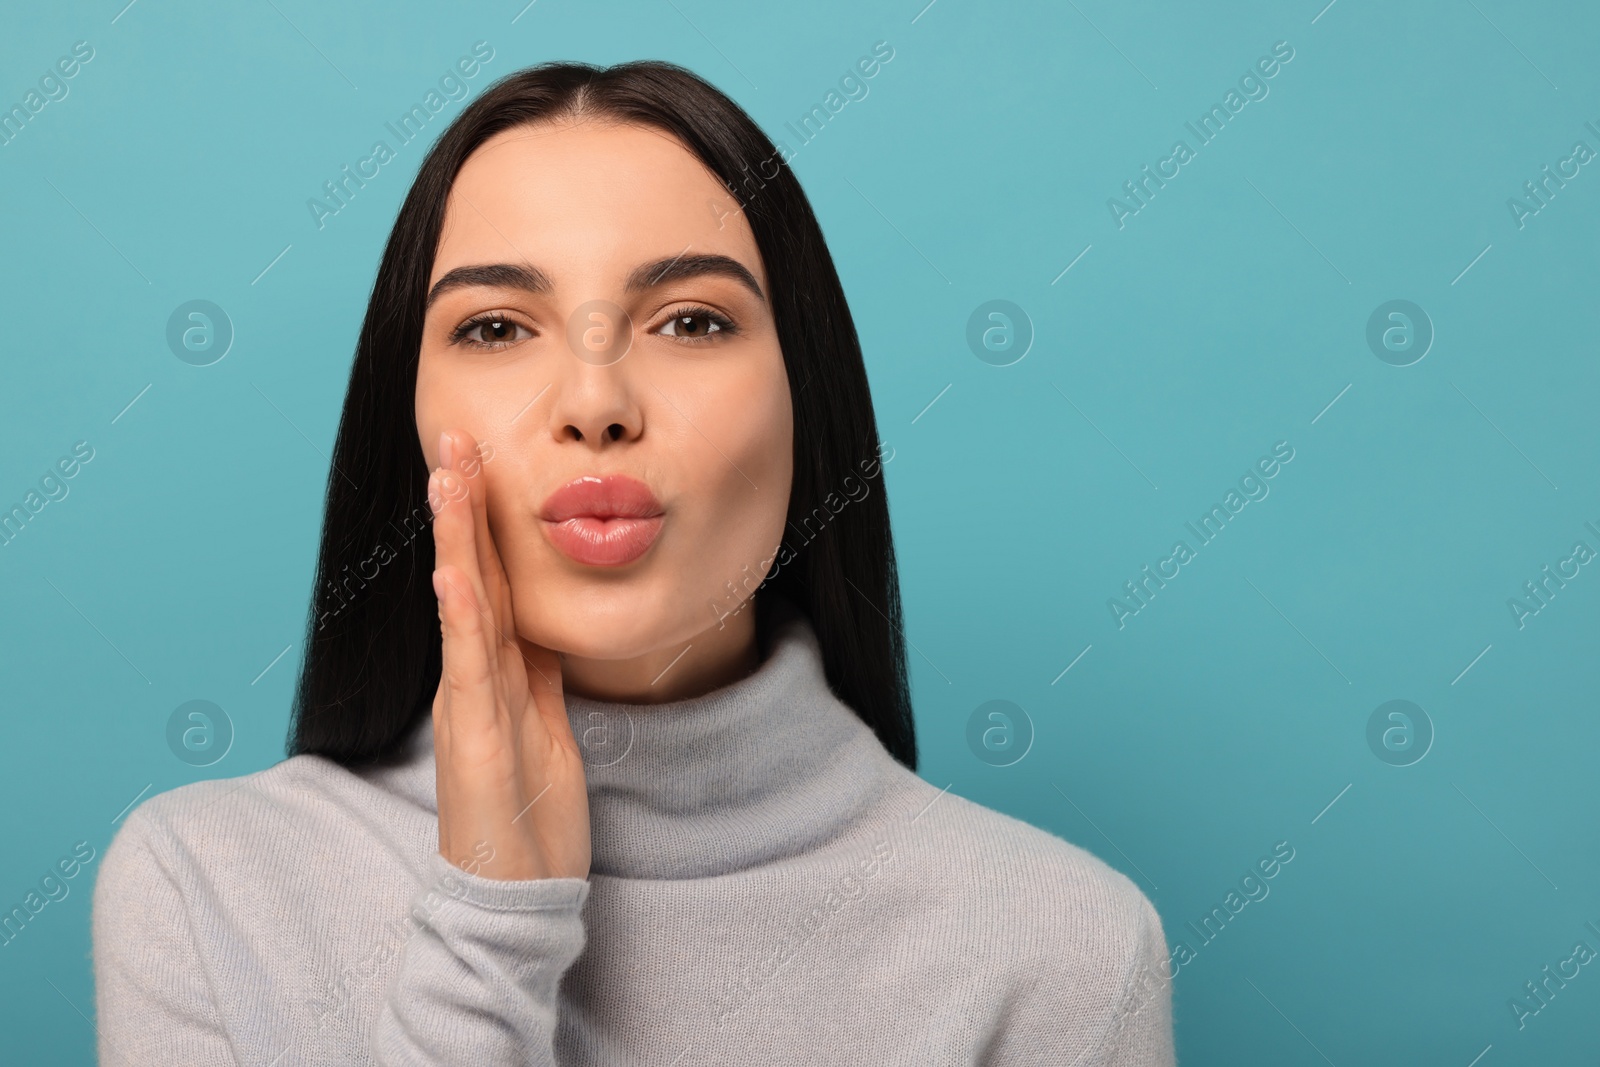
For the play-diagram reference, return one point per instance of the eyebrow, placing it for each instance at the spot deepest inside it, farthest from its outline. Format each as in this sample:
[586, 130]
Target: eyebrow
[531, 279]
[681, 266]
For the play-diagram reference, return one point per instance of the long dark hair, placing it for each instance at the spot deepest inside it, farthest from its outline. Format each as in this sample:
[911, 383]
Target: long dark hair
[372, 657]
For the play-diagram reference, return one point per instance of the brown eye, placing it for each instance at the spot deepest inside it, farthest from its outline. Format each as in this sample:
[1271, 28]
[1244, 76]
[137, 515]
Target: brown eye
[490, 331]
[696, 324]
[691, 326]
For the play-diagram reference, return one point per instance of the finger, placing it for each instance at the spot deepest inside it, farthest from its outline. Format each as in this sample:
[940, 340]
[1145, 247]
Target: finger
[463, 742]
[455, 543]
[466, 679]
[546, 688]
[544, 669]
[469, 464]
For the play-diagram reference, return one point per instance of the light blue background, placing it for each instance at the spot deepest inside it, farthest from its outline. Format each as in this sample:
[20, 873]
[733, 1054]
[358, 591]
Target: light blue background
[1224, 317]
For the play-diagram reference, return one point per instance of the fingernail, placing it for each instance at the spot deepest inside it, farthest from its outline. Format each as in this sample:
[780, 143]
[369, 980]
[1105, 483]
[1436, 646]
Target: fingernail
[438, 586]
[447, 450]
[435, 498]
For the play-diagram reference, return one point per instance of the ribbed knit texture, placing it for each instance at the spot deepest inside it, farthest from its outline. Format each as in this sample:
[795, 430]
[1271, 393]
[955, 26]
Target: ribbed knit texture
[769, 886]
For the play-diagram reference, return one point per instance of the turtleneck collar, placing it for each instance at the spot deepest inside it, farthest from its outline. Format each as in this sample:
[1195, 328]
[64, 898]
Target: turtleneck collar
[766, 767]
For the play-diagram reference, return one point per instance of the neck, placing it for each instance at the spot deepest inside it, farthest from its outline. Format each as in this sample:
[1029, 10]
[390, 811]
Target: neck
[718, 656]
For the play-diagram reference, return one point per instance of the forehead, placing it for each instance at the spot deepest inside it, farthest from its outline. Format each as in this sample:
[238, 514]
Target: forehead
[578, 199]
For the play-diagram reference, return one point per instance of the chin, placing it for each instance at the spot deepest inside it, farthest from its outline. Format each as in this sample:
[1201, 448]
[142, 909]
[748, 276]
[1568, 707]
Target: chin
[607, 619]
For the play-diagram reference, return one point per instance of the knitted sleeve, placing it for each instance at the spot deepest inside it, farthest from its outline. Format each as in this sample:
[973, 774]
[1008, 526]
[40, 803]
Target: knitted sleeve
[154, 1000]
[1132, 1023]
[1140, 1035]
[478, 983]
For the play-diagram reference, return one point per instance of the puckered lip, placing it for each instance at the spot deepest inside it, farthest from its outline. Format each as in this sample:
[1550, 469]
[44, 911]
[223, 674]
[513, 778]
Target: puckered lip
[609, 496]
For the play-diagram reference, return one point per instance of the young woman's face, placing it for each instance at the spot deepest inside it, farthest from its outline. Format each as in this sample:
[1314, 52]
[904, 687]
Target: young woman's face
[561, 245]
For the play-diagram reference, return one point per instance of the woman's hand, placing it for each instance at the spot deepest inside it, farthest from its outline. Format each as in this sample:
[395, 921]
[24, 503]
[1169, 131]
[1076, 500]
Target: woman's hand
[513, 803]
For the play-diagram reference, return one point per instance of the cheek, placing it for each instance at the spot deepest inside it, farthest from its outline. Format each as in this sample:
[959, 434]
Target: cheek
[447, 401]
[741, 485]
[510, 479]
[435, 408]
[758, 424]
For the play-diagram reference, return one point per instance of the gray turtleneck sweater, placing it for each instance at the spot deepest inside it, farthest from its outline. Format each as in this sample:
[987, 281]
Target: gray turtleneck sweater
[769, 886]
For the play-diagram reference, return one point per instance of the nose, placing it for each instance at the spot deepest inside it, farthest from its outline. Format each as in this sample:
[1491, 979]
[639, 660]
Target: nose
[594, 405]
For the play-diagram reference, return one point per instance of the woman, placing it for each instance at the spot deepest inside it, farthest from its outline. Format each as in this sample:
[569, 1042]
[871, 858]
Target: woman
[648, 793]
